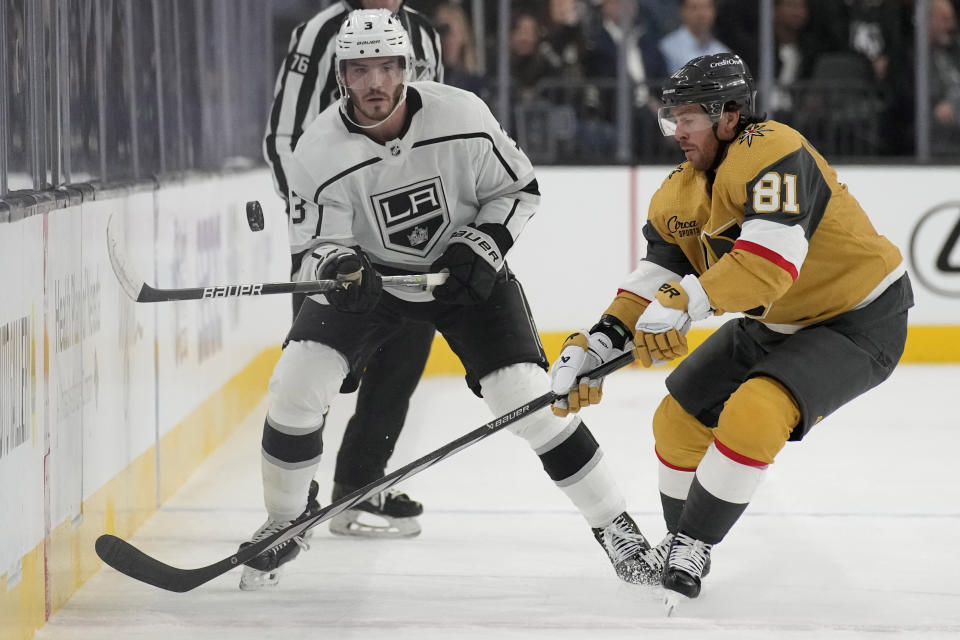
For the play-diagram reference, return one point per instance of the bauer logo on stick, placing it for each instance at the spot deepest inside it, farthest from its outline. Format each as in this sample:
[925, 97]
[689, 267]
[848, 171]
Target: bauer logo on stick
[233, 290]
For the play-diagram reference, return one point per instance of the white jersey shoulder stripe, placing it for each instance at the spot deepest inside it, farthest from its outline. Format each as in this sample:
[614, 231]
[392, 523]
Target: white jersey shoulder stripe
[423, 143]
[345, 172]
[467, 136]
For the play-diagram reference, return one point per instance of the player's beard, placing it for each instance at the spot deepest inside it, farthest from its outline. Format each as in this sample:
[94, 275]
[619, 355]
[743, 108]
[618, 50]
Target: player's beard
[378, 111]
[701, 156]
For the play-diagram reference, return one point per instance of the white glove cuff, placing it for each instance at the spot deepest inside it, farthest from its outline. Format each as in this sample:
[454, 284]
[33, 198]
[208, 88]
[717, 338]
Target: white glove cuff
[481, 243]
[601, 346]
[699, 304]
[657, 318]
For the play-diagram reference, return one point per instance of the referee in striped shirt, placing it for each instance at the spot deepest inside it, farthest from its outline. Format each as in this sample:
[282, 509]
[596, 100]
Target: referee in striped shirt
[306, 85]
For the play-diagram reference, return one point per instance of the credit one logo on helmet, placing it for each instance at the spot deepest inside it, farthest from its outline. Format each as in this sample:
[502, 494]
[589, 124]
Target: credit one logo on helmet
[412, 218]
[935, 249]
[724, 63]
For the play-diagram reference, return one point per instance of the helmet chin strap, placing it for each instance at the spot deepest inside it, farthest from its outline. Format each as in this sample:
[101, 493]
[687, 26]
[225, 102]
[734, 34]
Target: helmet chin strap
[723, 144]
[346, 112]
[721, 148]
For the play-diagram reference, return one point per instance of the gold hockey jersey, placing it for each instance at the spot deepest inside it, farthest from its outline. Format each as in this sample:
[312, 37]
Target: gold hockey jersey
[775, 236]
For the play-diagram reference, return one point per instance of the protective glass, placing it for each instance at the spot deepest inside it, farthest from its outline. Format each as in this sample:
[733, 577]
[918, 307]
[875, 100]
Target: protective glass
[372, 72]
[686, 118]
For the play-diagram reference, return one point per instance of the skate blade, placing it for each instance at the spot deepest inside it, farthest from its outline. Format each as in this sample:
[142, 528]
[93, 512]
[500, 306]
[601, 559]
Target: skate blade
[253, 579]
[361, 524]
[672, 600]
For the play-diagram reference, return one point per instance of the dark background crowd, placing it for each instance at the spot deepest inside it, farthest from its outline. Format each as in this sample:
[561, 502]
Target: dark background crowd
[844, 70]
[101, 91]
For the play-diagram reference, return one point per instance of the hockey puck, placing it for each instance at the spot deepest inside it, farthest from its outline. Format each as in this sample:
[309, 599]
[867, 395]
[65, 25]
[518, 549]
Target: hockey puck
[255, 216]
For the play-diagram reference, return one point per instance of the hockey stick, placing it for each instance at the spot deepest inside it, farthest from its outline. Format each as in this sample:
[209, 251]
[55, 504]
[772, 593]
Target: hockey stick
[127, 559]
[140, 291]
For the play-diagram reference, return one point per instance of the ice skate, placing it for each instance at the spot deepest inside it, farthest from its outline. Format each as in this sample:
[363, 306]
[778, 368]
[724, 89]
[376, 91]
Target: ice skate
[688, 562]
[628, 551]
[264, 570]
[658, 555]
[388, 514]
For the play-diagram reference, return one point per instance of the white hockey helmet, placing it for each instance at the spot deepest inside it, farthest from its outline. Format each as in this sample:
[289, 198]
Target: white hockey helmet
[371, 33]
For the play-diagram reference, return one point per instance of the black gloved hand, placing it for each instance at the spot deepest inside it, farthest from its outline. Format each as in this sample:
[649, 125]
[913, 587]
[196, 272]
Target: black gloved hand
[362, 284]
[472, 274]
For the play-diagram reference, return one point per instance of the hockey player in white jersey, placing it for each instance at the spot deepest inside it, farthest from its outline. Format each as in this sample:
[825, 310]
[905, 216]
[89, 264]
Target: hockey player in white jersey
[306, 86]
[411, 178]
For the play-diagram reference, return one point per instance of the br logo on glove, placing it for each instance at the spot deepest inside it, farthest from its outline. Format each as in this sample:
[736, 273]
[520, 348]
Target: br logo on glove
[412, 218]
[673, 296]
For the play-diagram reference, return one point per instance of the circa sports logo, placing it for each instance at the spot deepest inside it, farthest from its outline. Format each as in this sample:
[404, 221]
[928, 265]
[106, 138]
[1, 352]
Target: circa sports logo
[412, 218]
[935, 249]
[682, 228]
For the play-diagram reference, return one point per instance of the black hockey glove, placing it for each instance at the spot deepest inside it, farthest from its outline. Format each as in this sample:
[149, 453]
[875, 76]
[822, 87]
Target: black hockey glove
[362, 285]
[472, 258]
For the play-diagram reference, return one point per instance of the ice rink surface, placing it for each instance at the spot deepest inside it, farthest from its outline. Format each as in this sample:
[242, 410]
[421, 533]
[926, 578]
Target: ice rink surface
[855, 533]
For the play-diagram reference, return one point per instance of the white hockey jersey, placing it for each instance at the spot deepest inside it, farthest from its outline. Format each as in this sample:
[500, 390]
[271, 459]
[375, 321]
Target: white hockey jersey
[452, 166]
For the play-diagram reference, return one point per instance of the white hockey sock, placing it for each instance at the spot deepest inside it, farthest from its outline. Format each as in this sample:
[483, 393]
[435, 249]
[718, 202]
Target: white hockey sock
[595, 494]
[285, 490]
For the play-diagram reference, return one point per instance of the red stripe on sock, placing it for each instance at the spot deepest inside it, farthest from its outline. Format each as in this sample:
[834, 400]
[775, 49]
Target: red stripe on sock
[668, 465]
[739, 458]
[768, 254]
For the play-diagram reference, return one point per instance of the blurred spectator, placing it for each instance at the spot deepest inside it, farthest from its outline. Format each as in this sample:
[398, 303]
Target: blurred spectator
[796, 49]
[645, 68]
[738, 26]
[694, 37]
[813, 27]
[873, 29]
[644, 60]
[545, 110]
[18, 150]
[564, 42]
[459, 49]
[527, 64]
[944, 78]
[645, 64]
[659, 17]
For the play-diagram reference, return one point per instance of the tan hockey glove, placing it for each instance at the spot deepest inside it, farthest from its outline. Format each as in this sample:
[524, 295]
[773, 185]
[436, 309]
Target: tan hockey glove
[660, 334]
[580, 354]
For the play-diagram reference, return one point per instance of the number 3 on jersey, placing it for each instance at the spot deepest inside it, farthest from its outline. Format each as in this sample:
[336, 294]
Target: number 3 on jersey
[298, 212]
[772, 193]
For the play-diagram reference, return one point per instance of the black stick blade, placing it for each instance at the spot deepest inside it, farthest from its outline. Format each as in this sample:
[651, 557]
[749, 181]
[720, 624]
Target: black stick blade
[127, 559]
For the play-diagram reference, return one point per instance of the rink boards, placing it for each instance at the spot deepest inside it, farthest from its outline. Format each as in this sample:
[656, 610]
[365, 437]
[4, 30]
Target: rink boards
[106, 406]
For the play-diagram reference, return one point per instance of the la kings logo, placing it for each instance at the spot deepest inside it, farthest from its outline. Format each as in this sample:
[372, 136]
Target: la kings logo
[412, 218]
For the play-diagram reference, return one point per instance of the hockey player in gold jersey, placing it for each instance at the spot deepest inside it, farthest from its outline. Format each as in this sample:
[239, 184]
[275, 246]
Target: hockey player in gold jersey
[756, 222]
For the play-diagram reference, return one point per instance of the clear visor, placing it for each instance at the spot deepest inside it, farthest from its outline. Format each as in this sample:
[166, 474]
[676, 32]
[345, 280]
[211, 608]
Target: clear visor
[366, 73]
[685, 118]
